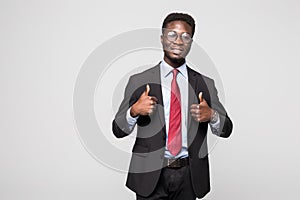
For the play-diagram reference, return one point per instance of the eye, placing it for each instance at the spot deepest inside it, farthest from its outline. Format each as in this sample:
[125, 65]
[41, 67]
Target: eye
[186, 37]
[172, 35]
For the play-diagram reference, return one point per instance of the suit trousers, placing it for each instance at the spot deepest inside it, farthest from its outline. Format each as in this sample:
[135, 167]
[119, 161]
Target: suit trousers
[173, 184]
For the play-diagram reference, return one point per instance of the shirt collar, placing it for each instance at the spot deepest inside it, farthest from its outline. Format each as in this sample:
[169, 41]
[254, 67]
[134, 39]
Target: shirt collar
[166, 69]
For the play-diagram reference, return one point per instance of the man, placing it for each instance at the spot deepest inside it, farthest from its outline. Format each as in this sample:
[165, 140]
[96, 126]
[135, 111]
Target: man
[172, 107]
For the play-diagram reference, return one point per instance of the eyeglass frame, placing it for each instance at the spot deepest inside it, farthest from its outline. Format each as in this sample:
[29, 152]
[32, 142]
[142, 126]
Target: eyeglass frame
[177, 35]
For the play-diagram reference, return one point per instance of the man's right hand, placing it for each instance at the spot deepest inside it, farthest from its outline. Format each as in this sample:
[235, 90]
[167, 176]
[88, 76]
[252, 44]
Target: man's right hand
[145, 104]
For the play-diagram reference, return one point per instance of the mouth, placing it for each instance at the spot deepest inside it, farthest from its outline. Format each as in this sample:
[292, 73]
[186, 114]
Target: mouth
[177, 51]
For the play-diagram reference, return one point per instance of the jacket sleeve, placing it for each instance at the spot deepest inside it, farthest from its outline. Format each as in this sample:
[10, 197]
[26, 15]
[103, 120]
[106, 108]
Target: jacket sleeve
[120, 126]
[226, 125]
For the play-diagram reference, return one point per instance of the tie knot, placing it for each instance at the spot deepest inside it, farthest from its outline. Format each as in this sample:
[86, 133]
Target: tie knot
[175, 72]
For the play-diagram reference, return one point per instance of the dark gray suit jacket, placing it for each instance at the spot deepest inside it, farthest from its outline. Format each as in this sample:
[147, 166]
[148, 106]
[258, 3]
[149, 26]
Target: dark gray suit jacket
[148, 150]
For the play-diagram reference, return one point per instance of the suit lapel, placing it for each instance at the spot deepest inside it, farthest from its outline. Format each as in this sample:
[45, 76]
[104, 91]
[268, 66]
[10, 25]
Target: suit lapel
[155, 84]
[192, 97]
[155, 90]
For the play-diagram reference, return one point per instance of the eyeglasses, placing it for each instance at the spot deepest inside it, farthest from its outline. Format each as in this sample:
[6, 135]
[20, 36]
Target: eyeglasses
[173, 35]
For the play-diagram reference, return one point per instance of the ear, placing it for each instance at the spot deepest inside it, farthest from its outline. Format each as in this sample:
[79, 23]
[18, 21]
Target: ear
[161, 38]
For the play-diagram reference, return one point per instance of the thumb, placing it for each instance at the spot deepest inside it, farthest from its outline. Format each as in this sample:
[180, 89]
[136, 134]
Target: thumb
[200, 97]
[147, 89]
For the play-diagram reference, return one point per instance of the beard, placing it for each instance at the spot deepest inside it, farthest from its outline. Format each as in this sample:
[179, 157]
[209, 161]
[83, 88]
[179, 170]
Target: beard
[177, 61]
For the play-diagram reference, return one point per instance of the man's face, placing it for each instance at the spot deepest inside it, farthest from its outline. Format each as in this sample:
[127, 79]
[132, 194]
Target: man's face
[176, 40]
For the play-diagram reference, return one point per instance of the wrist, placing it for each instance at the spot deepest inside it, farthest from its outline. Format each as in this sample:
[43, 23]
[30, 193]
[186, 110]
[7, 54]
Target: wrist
[214, 116]
[133, 111]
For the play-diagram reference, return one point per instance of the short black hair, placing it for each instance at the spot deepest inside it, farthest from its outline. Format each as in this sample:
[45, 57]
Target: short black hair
[179, 17]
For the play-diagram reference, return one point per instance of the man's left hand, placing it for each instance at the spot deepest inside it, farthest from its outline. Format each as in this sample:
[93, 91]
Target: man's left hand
[201, 112]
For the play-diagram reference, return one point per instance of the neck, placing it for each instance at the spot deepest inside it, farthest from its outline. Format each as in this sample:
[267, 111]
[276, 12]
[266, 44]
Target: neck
[175, 63]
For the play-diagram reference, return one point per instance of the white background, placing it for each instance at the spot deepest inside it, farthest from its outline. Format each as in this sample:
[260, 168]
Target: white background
[254, 44]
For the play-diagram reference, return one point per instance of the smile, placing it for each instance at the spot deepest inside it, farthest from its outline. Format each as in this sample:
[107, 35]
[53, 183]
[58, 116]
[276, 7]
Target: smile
[176, 50]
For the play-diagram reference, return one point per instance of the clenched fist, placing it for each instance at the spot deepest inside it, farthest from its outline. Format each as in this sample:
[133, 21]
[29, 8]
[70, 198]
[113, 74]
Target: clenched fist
[145, 104]
[201, 112]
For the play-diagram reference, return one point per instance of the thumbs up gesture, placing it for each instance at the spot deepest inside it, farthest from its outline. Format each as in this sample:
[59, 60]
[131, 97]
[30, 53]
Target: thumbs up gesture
[145, 104]
[201, 112]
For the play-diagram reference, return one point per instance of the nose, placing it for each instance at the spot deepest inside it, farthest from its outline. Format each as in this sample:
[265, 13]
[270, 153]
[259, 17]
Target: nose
[178, 40]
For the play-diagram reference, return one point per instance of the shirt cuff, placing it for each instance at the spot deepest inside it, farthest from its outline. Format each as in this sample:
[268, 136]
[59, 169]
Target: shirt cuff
[131, 120]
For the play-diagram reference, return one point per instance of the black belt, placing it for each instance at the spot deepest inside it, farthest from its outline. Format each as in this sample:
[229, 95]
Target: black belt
[176, 163]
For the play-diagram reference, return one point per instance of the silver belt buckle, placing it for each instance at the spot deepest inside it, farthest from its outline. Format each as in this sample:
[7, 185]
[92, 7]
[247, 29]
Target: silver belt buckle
[173, 163]
[170, 161]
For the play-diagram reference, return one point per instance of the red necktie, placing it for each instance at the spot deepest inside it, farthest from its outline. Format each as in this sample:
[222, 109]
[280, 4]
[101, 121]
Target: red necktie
[174, 135]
